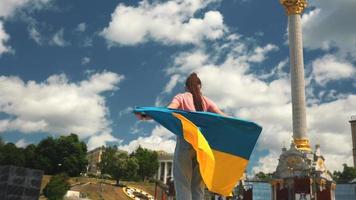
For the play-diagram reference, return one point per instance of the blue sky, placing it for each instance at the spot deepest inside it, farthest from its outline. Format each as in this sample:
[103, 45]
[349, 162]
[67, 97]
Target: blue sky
[80, 66]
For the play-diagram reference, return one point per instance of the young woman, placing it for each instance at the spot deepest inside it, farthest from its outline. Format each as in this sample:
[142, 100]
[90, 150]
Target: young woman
[187, 179]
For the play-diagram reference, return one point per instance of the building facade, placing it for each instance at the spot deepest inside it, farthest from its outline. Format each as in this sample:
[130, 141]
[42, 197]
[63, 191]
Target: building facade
[165, 169]
[94, 158]
[263, 191]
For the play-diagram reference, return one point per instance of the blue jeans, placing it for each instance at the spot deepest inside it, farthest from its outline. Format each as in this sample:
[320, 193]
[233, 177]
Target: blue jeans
[187, 179]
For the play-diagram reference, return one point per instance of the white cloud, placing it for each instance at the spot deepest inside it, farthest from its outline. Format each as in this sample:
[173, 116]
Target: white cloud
[22, 143]
[125, 111]
[4, 37]
[101, 140]
[58, 106]
[328, 68]
[260, 53]
[328, 95]
[81, 27]
[331, 25]
[58, 39]
[35, 35]
[328, 126]
[9, 7]
[169, 22]
[160, 139]
[85, 60]
[232, 76]
[266, 164]
[188, 61]
[332, 117]
[88, 42]
[3, 125]
[136, 129]
[277, 72]
[172, 83]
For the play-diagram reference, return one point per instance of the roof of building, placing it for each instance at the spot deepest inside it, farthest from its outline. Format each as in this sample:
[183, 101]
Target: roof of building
[162, 155]
[96, 149]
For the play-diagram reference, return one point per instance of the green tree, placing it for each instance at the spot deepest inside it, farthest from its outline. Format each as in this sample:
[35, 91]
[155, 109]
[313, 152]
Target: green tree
[147, 162]
[336, 175]
[73, 154]
[47, 157]
[118, 164]
[347, 175]
[30, 156]
[2, 143]
[263, 177]
[11, 155]
[64, 154]
[57, 187]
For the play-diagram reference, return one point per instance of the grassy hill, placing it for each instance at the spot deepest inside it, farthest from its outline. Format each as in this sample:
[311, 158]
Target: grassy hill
[99, 189]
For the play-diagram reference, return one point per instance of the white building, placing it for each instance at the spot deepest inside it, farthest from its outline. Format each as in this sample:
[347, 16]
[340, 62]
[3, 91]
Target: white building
[165, 169]
[94, 158]
[72, 194]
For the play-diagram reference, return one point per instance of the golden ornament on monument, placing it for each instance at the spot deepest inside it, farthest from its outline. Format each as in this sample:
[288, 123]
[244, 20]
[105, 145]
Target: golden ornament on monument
[294, 7]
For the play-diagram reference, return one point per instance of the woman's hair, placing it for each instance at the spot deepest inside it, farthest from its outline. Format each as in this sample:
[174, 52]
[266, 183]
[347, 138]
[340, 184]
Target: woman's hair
[193, 85]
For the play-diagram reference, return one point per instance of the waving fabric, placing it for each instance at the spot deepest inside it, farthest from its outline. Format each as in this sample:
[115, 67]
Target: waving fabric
[223, 144]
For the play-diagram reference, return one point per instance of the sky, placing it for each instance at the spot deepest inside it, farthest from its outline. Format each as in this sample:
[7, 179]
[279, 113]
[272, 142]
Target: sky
[81, 66]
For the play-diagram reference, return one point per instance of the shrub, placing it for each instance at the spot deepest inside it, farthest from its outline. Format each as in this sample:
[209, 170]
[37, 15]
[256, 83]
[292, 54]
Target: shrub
[57, 187]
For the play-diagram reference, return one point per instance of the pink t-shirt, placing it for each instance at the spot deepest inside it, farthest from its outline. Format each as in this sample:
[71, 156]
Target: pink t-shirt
[186, 102]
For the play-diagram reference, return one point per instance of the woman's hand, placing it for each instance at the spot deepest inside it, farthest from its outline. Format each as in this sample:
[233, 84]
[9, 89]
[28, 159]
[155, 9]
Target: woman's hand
[142, 116]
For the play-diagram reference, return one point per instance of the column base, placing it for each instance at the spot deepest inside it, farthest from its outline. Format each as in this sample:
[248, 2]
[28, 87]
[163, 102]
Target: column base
[302, 144]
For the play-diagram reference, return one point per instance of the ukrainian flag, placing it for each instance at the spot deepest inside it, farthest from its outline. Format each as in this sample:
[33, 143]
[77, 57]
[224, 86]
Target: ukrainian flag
[223, 144]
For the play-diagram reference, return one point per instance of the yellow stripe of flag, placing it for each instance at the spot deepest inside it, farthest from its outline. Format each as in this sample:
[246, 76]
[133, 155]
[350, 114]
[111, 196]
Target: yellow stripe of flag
[205, 156]
[220, 171]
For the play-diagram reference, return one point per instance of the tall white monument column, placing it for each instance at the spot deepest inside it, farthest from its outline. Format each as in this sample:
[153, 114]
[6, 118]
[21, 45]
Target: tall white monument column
[294, 10]
[300, 171]
[353, 133]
